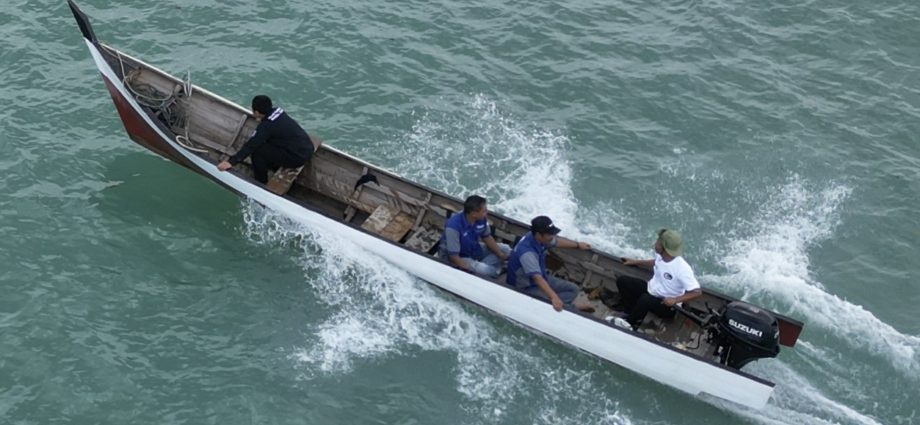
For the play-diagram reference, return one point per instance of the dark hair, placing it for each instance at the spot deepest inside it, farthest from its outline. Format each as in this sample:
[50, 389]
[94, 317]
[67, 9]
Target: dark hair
[262, 104]
[473, 203]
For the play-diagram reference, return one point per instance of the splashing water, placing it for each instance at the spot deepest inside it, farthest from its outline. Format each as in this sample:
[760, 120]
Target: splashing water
[797, 401]
[482, 150]
[523, 172]
[772, 267]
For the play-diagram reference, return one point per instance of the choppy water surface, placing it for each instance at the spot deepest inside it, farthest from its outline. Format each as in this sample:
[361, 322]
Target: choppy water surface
[780, 138]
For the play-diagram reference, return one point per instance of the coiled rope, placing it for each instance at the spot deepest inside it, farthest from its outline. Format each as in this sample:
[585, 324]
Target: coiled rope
[168, 106]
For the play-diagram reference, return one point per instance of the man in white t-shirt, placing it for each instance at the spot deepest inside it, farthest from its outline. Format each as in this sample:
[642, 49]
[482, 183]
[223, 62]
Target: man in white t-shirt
[673, 281]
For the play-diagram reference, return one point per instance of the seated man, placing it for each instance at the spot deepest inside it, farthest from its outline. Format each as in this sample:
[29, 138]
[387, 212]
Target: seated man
[278, 141]
[527, 264]
[465, 237]
[673, 281]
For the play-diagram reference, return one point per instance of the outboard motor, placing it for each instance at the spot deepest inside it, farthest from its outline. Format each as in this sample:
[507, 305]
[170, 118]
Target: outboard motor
[744, 333]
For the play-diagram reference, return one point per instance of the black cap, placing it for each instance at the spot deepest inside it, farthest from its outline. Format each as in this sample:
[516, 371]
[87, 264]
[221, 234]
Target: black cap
[543, 224]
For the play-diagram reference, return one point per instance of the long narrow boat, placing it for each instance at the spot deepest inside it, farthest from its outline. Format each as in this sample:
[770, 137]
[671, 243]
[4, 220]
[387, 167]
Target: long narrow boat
[700, 351]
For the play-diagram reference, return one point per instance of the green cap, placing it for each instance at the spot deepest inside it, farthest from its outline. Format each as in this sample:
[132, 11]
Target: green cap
[671, 242]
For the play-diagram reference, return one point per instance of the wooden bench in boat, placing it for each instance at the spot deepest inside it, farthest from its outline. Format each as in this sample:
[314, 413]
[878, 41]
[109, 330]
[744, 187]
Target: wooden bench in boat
[281, 180]
[389, 223]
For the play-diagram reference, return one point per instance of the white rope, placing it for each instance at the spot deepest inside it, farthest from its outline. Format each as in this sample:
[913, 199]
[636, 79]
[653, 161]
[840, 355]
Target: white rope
[185, 144]
[147, 95]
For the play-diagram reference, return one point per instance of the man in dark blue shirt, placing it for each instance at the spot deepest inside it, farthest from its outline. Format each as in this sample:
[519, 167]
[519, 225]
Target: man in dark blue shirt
[466, 238]
[278, 141]
[527, 265]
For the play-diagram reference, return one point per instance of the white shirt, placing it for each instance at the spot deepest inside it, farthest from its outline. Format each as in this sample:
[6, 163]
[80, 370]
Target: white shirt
[672, 279]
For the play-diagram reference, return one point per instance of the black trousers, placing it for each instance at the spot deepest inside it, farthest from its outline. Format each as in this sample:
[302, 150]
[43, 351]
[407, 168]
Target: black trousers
[638, 302]
[271, 157]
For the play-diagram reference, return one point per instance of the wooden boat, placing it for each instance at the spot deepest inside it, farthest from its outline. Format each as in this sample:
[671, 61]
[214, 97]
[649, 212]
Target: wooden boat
[700, 351]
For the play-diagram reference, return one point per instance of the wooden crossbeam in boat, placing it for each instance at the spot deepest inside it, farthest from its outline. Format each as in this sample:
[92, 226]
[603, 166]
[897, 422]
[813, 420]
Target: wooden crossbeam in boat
[395, 199]
[282, 180]
[590, 273]
[388, 222]
[239, 129]
[421, 212]
[399, 196]
[351, 210]
[501, 234]
[443, 209]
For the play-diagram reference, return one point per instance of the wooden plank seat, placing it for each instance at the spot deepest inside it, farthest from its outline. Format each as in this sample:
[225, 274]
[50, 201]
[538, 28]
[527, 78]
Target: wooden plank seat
[281, 181]
[389, 222]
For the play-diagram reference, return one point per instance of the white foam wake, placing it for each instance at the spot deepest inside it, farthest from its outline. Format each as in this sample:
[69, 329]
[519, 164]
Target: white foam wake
[796, 401]
[524, 172]
[771, 267]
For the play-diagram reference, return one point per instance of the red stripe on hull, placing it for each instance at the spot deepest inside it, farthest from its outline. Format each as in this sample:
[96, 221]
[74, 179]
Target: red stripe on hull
[140, 131]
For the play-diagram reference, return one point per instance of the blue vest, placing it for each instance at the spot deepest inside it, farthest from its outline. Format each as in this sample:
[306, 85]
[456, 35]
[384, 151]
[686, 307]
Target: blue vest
[525, 245]
[469, 234]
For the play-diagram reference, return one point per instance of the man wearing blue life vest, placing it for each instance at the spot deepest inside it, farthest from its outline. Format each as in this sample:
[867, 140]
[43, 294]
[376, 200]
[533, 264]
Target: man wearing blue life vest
[278, 141]
[673, 281]
[466, 238]
[527, 264]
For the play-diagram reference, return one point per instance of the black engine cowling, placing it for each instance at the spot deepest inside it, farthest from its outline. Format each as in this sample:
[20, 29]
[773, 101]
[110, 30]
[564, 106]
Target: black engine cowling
[746, 333]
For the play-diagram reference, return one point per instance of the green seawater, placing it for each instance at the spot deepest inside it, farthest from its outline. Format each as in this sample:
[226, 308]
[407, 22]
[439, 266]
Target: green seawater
[780, 137]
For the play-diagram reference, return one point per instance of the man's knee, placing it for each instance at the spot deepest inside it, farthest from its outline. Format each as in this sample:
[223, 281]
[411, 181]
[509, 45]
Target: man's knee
[566, 290]
[663, 311]
[649, 300]
[482, 268]
[625, 281]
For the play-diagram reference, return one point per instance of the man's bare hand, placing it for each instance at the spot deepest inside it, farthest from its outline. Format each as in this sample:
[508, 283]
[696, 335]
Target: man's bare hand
[224, 166]
[557, 303]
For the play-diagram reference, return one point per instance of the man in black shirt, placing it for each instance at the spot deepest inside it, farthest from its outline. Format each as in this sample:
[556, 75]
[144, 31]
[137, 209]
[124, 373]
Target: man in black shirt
[278, 141]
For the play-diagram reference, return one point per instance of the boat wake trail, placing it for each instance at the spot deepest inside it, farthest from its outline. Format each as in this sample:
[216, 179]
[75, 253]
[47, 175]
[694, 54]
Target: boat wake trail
[796, 401]
[771, 266]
